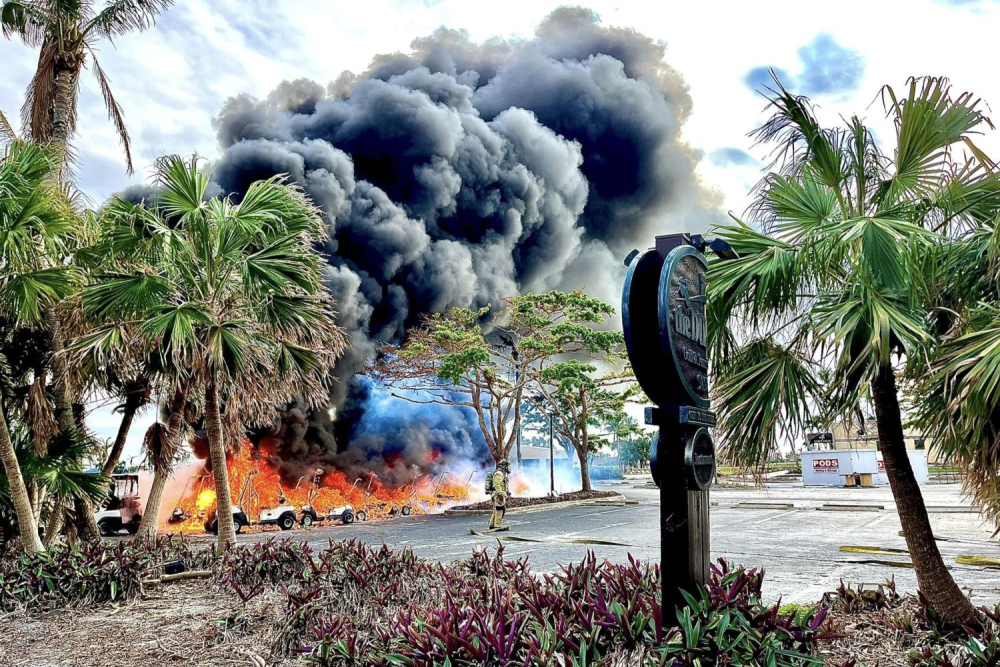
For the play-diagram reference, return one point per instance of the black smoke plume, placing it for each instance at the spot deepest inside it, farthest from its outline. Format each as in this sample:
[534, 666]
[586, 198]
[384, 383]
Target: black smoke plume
[460, 173]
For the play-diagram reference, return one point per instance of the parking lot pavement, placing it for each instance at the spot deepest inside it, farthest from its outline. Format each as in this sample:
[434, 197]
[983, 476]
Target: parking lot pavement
[798, 547]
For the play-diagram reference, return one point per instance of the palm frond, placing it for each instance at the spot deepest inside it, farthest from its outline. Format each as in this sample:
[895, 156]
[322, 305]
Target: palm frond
[25, 296]
[764, 281]
[61, 471]
[24, 19]
[768, 399]
[929, 121]
[124, 295]
[159, 447]
[7, 133]
[802, 144]
[184, 186]
[115, 114]
[121, 17]
[40, 414]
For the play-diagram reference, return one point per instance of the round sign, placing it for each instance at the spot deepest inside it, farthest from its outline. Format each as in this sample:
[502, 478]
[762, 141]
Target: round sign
[699, 460]
[654, 459]
[682, 319]
[641, 329]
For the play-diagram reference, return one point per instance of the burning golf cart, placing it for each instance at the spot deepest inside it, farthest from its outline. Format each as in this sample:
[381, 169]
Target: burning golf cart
[344, 513]
[240, 520]
[122, 509]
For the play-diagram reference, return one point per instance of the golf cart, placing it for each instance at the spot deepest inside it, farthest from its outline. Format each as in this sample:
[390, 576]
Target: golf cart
[121, 510]
[283, 516]
[240, 520]
[308, 514]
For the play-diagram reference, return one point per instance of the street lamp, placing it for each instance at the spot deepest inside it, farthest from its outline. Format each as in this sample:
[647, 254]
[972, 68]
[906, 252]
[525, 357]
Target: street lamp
[552, 460]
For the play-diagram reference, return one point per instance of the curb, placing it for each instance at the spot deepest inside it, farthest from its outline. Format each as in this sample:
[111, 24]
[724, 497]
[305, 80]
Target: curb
[764, 506]
[619, 498]
[836, 507]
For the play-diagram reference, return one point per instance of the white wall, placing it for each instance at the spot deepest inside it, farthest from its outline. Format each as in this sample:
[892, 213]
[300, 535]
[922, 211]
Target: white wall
[827, 468]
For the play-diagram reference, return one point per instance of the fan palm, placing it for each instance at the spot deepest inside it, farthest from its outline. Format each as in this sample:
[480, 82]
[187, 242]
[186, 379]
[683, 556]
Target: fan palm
[59, 472]
[835, 278]
[36, 224]
[229, 297]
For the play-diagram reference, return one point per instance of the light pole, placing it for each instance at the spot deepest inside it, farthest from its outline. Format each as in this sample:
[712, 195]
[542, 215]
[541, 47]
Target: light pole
[552, 461]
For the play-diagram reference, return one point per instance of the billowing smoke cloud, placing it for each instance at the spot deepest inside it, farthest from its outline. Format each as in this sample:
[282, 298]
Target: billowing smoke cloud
[460, 173]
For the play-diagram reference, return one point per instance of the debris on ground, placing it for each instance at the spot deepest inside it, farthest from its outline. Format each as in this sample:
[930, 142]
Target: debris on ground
[523, 501]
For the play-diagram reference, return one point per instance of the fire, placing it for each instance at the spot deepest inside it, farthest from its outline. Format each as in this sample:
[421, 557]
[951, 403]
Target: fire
[205, 500]
[256, 485]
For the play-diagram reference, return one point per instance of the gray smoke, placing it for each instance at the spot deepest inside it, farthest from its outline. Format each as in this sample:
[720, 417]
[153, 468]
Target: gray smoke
[460, 173]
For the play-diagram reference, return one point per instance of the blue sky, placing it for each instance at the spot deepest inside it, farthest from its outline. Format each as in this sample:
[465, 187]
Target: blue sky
[172, 80]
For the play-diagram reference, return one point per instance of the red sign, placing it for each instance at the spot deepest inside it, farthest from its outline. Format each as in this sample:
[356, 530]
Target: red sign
[826, 465]
[881, 465]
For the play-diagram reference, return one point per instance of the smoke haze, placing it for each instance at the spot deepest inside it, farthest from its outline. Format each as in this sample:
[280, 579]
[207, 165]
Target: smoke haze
[459, 173]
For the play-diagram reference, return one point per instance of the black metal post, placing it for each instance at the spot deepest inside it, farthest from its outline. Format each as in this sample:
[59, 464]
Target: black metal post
[665, 326]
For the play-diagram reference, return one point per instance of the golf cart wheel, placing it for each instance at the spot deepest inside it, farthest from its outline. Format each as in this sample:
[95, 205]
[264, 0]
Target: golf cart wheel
[406, 510]
[362, 515]
[132, 528]
[286, 521]
[306, 520]
[214, 528]
[105, 529]
[238, 526]
[348, 518]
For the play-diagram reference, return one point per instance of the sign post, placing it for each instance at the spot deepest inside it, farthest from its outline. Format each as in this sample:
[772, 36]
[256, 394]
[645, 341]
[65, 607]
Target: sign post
[666, 330]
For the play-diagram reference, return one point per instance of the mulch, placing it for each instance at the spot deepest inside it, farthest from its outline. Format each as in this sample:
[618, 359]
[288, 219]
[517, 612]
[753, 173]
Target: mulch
[528, 501]
[883, 638]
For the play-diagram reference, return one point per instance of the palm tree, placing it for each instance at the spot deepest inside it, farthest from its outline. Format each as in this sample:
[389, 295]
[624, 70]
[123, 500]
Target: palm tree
[835, 274]
[59, 472]
[36, 223]
[230, 298]
[65, 32]
[109, 363]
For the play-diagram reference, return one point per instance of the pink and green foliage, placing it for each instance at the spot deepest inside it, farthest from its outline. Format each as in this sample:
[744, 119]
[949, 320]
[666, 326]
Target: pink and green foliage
[355, 605]
[89, 572]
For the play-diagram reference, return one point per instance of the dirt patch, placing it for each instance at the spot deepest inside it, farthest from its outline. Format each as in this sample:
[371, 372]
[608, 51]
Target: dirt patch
[522, 501]
[182, 623]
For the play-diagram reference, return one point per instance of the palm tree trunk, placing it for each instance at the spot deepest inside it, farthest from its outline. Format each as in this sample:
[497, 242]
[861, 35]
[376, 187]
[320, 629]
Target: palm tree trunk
[65, 82]
[128, 414]
[933, 577]
[217, 448]
[150, 514]
[60, 377]
[57, 519]
[86, 523]
[18, 492]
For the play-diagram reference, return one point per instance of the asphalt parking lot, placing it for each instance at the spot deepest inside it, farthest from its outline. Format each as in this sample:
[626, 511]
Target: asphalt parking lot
[798, 546]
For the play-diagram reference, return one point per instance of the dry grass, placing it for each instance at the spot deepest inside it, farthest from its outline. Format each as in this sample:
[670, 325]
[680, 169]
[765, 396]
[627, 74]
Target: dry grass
[183, 623]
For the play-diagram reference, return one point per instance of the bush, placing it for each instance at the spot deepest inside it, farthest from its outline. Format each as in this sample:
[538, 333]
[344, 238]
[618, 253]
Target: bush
[87, 573]
[357, 605]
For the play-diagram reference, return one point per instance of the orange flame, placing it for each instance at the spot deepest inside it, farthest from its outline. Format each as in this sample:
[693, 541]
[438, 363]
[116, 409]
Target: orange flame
[256, 485]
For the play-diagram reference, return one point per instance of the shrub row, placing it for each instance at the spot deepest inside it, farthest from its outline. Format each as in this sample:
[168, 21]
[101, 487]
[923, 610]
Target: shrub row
[89, 572]
[351, 605]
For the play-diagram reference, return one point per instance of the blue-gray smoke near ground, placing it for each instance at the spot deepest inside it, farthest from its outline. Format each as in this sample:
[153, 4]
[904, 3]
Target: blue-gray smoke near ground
[460, 173]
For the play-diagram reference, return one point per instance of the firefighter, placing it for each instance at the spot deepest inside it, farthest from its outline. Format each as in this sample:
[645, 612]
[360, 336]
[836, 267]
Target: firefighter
[499, 492]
